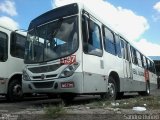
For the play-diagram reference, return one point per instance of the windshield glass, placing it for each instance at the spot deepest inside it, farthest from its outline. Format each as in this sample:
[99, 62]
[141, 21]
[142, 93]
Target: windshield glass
[52, 40]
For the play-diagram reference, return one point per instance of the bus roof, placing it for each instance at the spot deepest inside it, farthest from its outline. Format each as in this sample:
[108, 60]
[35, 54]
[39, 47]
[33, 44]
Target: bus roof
[53, 14]
[6, 28]
[17, 31]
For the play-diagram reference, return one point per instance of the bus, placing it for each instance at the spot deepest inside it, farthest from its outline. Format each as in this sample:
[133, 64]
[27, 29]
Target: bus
[70, 51]
[12, 48]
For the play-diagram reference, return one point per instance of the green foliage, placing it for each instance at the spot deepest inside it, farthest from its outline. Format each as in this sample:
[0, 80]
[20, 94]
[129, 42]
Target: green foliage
[55, 111]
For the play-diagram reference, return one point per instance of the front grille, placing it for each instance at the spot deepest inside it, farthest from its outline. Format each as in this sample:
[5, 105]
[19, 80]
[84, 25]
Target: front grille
[47, 76]
[43, 84]
[51, 76]
[37, 77]
[44, 69]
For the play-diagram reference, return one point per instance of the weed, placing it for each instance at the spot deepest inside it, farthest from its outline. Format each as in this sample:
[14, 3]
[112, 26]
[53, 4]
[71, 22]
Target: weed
[55, 111]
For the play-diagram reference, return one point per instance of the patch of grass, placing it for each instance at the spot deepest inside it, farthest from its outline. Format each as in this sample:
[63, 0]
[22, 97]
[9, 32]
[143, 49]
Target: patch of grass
[150, 102]
[55, 111]
[99, 104]
[129, 103]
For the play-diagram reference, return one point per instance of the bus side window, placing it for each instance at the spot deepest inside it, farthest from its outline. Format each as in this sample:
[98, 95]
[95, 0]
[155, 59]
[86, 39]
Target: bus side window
[123, 50]
[109, 41]
[134, 56]
[149, 65]
[93, 44]
[152, 67]
[118, 46]
[139, 59]
[3, 47]
[126, 51]
[144, 62]
[18, 45]
[84, 33]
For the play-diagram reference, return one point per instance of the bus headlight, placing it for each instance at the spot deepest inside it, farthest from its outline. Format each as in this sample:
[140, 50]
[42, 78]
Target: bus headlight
[25, 76]
[69, 70]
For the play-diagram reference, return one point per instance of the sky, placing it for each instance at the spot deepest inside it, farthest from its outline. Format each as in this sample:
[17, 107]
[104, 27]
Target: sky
[137, 20]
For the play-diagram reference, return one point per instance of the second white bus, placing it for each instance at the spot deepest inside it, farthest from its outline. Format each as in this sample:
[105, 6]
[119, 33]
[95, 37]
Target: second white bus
[12, 48]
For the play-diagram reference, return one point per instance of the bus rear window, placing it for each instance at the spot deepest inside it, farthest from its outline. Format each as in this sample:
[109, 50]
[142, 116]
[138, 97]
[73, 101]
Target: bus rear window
[3, 47]
[18, 45]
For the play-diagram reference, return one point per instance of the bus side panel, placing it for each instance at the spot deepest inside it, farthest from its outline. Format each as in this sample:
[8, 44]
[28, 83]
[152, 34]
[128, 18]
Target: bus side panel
[138, 82]
[153, 80]
[114, 64]
[126, 81]
[94, 79]
[10, 67]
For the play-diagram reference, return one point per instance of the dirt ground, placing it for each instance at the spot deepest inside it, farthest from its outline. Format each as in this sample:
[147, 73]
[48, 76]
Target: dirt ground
[33, 109]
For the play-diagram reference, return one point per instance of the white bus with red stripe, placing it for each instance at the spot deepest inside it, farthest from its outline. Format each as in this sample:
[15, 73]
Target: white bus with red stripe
[70, 51]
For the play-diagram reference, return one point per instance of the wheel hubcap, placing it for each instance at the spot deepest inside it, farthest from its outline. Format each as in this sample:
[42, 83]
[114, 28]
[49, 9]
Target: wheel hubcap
[111, 90]
[17, 90]
[148, 91]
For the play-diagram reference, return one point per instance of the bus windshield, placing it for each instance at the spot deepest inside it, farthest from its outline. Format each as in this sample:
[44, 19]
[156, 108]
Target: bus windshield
[52, 40]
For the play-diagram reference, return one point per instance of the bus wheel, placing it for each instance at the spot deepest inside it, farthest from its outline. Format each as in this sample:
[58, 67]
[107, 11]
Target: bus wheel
[112, 89]
[14, 91]
[120, 95]
[147, 91]
[104, 96]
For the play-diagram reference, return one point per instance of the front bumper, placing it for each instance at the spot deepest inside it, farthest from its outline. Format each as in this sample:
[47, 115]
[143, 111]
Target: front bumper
[54, 86]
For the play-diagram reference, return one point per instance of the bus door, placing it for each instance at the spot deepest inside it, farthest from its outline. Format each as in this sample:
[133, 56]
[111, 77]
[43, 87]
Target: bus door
[126, 60]
[93, 64]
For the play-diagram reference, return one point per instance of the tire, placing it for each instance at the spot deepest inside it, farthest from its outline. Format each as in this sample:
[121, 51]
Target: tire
[112, 89]
[147, 91]
[28, 95]
[104, 96]
[15, 92]
[120, 95]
